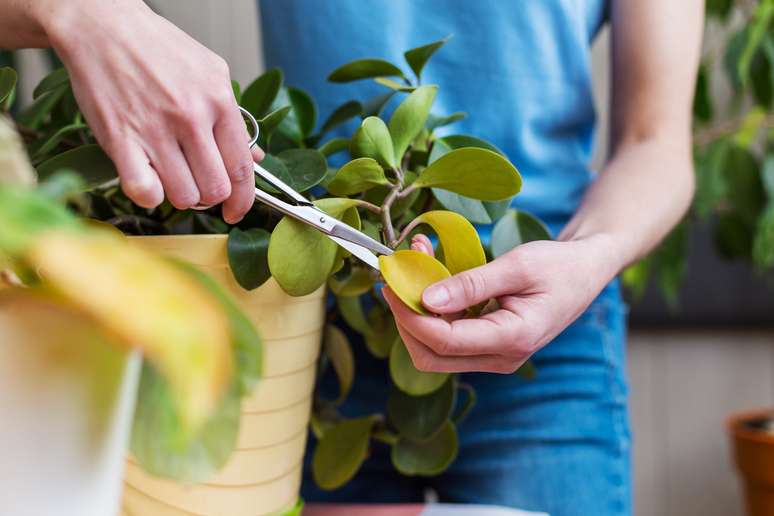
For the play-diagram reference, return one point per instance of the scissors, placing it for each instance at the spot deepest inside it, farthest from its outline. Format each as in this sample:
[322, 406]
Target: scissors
[300, 208]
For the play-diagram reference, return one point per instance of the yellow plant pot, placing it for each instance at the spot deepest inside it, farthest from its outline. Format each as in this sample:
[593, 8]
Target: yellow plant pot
[263, 476]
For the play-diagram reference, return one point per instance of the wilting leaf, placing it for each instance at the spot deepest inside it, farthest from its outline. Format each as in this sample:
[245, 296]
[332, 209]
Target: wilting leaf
[248, 256]
[418, 57]
[476, 173]
[516, 228]
[364, 69]
[409, 273]
[338, 350]
[461, 245]
[357, 176]
[184, 332]
[408, 378]
[421, 417]
[429, 457]
[158, 439]
[341, 451]
[259, 96]
[409, 118]
[89, 161]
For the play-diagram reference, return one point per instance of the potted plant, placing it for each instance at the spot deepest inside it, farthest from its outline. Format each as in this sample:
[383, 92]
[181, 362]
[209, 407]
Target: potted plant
[734, 161]
[69, 350]
[398, 176]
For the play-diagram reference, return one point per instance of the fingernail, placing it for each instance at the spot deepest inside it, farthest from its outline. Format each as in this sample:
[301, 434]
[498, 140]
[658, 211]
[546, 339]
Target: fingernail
[436, 296]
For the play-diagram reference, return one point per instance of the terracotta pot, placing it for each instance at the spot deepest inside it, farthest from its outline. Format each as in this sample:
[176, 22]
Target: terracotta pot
[67, 397]
[263, 475]
[754, 455]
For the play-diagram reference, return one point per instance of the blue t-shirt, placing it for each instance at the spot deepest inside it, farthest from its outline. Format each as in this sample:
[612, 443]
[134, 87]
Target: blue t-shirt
[520, 68]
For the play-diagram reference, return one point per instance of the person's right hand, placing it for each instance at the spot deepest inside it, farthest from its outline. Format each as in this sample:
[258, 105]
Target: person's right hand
[159, 103]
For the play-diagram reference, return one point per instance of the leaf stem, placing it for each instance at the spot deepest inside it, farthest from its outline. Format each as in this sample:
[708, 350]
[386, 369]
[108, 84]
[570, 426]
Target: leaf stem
[407, 230]
[369, 206]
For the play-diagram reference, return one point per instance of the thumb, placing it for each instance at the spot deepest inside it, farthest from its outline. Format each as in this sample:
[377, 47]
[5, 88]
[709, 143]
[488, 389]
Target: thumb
[473, 286]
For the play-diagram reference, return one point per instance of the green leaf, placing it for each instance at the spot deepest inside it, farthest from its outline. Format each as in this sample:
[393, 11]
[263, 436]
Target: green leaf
[381, 332]
[409, 118]
[261, 93]
[357, 282]
[8, 79]
[52, 81]
[734, 236]
[752, 123]
[364, 69]
[635, 277]
[757, 30]
[702, 100]
[375, 105]
[357, 176]
[271, 121]
[342, 115]
[763, 242]
[434, 122]
[719, 8]
[35, 114]
[670, 260]
[334, 146]
[516, 228]
[373, 140]
[767, 175]
[304, 110]
[417, 57]
[428, 458]
[237, 89]
[26, 215]
[744, 187]
[341, 451]
[55, 139]
[248, 256]
[246, 343]
[477, 212]
[394, 85]
[408, 378]
[476, 173]
[157, 437]
[300, 257]
[301, 169]
[421, 417]
[337, 349]
[89, 161]
[62, 186]
[710, 177]
[351, 311]
[762, 74]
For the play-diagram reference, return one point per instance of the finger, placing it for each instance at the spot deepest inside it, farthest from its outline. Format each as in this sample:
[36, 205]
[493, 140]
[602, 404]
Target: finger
[206, 164]
[422, 244]
[138, 179]
[176, 177]
[232, 138]
[425, 359]
[469, 288]
[501, 333]
[258, 154]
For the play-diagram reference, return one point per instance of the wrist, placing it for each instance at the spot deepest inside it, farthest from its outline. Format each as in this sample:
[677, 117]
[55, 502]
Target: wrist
[604, 251]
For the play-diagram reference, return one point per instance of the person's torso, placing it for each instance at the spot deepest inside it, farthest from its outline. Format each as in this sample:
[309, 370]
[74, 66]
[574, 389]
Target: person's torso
[519, 68]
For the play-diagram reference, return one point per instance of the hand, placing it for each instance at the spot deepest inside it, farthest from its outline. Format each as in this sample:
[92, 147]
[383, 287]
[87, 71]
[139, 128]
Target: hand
[159, 103]
[541, 288]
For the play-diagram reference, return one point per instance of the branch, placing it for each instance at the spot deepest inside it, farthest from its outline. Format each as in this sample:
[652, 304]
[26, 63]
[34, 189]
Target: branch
[710, 134]
[369, 206]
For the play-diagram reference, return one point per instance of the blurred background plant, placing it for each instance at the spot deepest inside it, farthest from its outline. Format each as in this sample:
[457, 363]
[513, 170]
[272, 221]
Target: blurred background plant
[734, 151]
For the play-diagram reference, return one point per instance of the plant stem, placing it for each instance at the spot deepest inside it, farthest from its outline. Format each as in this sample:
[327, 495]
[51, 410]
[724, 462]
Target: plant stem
[388, 229]
[405, 233]
[369, 206]
[710, 134]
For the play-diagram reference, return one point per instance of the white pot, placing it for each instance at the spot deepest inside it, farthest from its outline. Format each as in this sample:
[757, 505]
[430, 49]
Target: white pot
[67, 401]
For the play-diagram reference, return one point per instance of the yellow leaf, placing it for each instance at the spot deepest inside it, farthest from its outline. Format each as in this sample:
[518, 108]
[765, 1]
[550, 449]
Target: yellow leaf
[409, 273]
[146, 303]
[462, 249]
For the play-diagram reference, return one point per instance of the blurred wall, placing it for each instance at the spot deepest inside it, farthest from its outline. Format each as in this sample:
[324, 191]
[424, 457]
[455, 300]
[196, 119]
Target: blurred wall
[684, 383]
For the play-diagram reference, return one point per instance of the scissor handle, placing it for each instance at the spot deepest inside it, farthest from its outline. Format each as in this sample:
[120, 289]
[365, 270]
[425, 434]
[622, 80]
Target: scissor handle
[256, 130]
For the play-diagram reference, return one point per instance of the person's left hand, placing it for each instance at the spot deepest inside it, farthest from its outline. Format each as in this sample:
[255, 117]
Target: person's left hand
[541, 288]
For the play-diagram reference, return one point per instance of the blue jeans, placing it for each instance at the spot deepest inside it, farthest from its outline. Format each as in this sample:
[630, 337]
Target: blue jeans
[558, 443]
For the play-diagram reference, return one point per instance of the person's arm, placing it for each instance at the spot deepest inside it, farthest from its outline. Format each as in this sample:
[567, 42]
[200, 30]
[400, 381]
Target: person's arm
[159, 103]
[640, 195]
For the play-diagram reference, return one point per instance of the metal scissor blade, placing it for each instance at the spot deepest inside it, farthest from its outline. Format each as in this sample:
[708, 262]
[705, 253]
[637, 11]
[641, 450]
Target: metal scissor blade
[360, 252]
[347, 232]
[279, 184]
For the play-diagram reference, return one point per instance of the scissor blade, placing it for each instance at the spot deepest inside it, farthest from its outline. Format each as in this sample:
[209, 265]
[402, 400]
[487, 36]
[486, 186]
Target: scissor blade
[361, 253]
[347, 232]
[279, 184]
